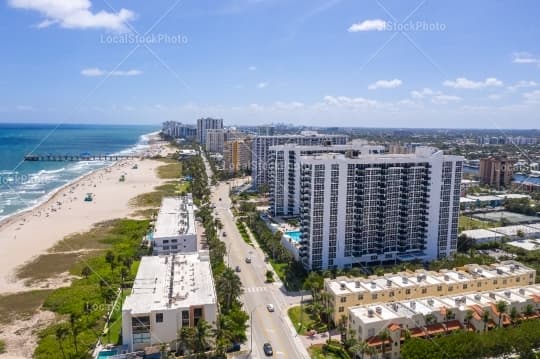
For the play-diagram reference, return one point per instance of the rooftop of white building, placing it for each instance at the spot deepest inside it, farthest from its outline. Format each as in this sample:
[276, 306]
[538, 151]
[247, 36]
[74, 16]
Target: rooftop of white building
[171, 282]
[176, 217]
[513, 230]
[346, 285]
[479, 234]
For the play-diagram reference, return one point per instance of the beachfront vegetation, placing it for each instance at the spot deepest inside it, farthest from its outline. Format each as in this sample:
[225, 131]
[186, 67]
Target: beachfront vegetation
[99, 289]
[2, 347]
[172, 169]
[21, 305]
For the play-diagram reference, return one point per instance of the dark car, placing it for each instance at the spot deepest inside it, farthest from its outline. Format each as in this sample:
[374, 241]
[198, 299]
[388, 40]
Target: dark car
[234, 348]
[238, 269]
[267, 347]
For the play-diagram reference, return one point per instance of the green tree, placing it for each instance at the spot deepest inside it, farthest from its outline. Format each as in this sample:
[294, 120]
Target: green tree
[203, 332]
[502, 307]
[485, 319]
[61, 334]
[111, 260]
[385, 337]
[86, 271]
[229, 287]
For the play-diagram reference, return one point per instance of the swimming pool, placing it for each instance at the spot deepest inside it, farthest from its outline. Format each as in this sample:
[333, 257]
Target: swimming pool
[295, 235]
[107, 353]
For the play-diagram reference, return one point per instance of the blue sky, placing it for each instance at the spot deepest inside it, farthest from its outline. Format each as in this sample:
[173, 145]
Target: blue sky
[386, 63]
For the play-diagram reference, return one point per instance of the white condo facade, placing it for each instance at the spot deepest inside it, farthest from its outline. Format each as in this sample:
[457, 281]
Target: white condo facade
[261, 144]
[284, 171]
[175, 229]
[216, 138]
[204, 124]
[169, 292]
[373, 208]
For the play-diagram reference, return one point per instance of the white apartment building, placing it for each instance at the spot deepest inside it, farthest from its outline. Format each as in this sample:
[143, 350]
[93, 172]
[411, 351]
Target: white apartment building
[179, 130]
[204, 124]
[169, 292]
[216, 138]
[427, 317]
[261, 145]
[375, 208]
[284, 171]
[175, 229]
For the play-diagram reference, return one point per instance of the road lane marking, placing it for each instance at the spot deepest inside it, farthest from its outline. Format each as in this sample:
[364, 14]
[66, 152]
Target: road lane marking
[255, 289]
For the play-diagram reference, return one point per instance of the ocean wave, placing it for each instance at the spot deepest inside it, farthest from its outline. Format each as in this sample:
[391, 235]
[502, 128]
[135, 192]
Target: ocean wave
[51, 171]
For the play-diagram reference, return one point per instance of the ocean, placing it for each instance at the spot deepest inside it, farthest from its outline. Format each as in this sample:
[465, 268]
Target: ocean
[27, 184]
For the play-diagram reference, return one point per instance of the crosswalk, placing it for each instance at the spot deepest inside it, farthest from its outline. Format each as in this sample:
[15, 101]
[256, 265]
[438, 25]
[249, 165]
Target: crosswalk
[255, 289]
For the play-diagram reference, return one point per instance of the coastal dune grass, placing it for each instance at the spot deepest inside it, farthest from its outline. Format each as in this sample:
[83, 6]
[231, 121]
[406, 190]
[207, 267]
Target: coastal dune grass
[2, 347]
[172, 170]
[73, 249]
[153, 199]
[21, 305]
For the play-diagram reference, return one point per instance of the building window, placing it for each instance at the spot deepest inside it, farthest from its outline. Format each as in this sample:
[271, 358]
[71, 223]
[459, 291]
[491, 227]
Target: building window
[360, 297]
[374, 296]
[341, 309]
[407, 291]
[159, 317]
[439, 288]
[343, 299]
[165, 241]
[424, 290]
[185, 318]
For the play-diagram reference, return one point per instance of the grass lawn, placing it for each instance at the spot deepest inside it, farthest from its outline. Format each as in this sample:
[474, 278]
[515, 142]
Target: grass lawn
[292, 276]
[316, 352]
[304, 321]
[467, 223]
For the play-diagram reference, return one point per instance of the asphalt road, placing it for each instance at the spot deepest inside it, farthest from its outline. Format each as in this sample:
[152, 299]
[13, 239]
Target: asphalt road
[271, 327]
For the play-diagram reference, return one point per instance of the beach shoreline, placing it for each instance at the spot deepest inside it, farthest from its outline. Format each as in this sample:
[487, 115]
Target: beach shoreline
[32, 232]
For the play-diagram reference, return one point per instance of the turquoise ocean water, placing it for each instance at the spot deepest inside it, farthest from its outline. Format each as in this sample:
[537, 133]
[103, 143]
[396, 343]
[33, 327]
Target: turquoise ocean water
[26, 184]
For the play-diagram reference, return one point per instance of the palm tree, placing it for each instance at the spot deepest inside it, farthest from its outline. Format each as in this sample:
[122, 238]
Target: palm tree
[61, 334]
[468, 317]
[202, 335]
[529, 310]
[485, 319]
[228, 284]
[360, 347]
[502, 307]
[86, 271]
[74, 330]
[186, 338]
[342, 327]
[514, 315]
[385, 336]
[110, 258]
[430, 319]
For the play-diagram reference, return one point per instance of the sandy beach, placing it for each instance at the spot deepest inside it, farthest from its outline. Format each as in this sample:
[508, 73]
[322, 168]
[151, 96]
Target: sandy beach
[24, 236]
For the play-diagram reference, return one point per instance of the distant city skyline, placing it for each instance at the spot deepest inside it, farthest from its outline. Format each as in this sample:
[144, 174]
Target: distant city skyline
[387, 63]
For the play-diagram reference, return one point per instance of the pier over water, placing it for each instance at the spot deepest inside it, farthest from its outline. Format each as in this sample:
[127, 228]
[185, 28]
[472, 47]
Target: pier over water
[74, 158]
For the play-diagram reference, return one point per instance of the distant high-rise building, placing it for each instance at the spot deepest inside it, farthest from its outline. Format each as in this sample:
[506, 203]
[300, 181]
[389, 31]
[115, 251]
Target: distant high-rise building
[237, 156]
[496, 171]
[216, 138]
[261, 144]
[375, 208]
[284, 171]
[266, 130]
[204, 124]
[179, 130]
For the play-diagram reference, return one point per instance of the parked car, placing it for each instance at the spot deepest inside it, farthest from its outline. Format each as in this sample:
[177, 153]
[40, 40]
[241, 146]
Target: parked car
[238, 269]
[270, 307]
[267, 347]
[224, 234]
[248, 259]
[234, 348]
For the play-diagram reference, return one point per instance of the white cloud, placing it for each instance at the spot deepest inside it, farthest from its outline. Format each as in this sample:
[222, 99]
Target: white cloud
[95, 72]
[532, 97]
[525, 58]
[75, 14]
[385, 84]
[523, 84]
[463, 83]
[495, 97]
[344, 101]
[262, 85]
[443, 99]
[252, 68]
[422, 93]
[368, 25]
[294, 105]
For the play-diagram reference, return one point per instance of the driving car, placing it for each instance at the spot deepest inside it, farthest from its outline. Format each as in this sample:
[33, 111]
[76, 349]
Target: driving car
[224, 234]
[270, 307]
[267, 347]
[248, 259]
[238, 269]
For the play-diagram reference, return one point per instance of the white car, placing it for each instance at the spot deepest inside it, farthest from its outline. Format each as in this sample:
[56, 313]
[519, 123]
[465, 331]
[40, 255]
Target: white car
[270, 307]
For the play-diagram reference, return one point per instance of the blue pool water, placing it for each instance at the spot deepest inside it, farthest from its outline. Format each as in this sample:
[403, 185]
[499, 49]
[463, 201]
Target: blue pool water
[295, 235]
[107, 353]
